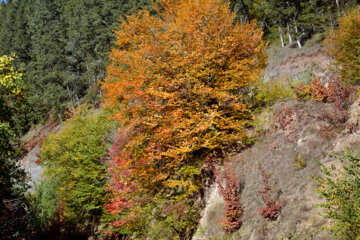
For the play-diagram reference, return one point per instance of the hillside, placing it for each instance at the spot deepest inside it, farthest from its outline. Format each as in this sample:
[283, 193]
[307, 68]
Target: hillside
[287, 152]
[312, 130]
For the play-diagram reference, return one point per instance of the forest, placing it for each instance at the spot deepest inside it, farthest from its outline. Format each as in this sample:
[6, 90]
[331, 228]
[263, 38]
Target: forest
[143, 105]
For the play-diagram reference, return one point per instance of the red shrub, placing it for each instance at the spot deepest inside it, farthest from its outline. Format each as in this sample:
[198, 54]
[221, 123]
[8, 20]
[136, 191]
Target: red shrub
[271, 209]
[68, 114]
[314, 90]
[122, 185]
[35, 141]
[283, 117]
[338, 92]
[231, 194]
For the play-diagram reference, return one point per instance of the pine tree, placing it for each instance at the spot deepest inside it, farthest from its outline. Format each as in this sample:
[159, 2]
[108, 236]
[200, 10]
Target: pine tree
[47, 90]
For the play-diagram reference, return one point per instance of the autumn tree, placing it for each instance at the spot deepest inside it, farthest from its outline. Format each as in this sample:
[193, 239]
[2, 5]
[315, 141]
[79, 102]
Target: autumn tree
[343, 45]
[180, 79]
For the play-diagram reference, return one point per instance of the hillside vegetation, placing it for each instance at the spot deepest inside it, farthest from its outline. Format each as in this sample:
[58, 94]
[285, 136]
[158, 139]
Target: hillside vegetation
[179, 119]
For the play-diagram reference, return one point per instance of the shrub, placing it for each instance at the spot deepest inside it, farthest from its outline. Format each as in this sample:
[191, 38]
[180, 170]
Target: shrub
[340, 187]
[271, 209]
[174, 220]
[231, 193]
[44, 201]
[336, 91]
[314, 90]
[270, 91]
[75, 157]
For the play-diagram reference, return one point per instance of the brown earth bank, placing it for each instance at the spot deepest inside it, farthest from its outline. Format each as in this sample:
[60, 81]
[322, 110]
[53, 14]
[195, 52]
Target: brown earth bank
[294, 63]
[293, 134]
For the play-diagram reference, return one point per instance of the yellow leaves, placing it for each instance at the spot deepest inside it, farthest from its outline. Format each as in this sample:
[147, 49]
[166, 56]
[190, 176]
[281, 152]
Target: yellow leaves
[185, 183]
[9, 78]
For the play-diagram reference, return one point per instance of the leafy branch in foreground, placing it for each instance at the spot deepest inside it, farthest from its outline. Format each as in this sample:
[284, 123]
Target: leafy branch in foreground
[340, 187]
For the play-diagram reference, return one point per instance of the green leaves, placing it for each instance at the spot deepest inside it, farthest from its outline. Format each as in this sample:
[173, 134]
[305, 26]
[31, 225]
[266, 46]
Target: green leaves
[74, 157]
[340, 187]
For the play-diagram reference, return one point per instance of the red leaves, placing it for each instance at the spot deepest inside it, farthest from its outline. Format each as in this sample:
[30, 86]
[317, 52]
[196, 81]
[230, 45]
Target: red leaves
[271, 209]
[231, 193]
[36, 141]
[336, 91]
[314, 90]
[14, 222]
[122, 185]
[283, 117]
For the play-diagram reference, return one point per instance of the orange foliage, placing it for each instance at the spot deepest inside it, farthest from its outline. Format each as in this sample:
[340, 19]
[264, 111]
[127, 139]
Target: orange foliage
[181, 78]
[314, 90]
[342, 44]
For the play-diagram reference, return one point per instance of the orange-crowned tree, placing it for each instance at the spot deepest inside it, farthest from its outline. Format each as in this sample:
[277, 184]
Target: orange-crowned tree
[180, 78]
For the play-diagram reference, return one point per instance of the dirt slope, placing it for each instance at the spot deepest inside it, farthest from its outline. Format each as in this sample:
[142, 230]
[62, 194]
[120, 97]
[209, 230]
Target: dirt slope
[295, 63]
[294, 134]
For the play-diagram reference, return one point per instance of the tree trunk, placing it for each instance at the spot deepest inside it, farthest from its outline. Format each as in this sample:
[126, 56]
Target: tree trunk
[77, 99]
[71, 99]
[297, 35]
[337, 3]
[289, 35]
[247, 12]
[281, 37]
[303, 31]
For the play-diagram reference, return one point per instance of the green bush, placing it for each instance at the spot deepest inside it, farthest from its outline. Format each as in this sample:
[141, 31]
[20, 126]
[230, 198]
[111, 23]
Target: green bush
[270, 91]
[74, 158]
[45, 202]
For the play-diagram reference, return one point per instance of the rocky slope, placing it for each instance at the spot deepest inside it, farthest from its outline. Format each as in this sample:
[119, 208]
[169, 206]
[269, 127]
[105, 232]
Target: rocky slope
[30, 162]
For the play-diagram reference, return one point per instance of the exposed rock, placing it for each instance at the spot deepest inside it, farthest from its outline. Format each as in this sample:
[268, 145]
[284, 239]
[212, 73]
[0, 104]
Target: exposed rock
[31, 162]
[212, 214]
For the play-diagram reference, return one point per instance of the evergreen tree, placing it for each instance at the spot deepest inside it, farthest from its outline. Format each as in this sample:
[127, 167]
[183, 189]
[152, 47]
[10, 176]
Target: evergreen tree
[45, 71]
